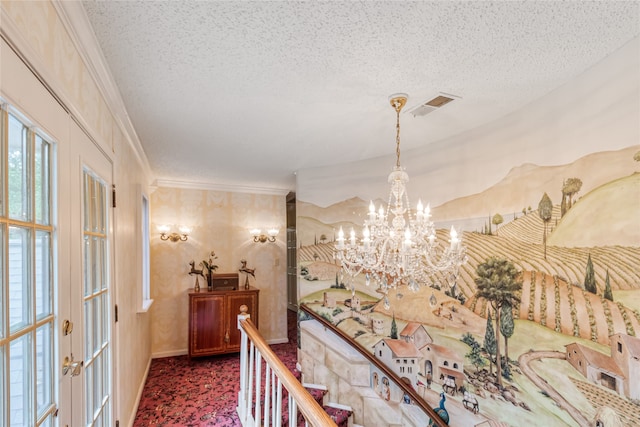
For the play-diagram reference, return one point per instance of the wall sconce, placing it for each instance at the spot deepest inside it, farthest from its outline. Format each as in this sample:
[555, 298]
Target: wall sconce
[258, 236]
[174, 237]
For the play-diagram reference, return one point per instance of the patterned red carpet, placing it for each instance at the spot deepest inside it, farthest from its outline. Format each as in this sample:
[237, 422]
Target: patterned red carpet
[203, 391]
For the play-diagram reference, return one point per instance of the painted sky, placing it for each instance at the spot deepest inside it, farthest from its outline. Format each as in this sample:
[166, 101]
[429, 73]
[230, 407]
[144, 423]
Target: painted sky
[597, 111]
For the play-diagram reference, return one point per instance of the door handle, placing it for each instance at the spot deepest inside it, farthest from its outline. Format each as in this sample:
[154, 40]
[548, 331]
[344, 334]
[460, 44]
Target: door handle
[69, 365]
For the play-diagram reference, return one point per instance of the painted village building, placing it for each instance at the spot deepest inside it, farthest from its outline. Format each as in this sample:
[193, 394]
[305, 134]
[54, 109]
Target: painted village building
[445, 365]
[401, 357]
[618, 372]
[415, 354]
[416, 333]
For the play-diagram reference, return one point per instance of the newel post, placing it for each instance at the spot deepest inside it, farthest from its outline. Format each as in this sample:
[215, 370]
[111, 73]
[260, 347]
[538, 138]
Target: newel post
[244, 367]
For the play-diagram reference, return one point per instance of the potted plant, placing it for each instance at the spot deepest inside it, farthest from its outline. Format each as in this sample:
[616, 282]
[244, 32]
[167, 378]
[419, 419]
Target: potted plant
[208, 268]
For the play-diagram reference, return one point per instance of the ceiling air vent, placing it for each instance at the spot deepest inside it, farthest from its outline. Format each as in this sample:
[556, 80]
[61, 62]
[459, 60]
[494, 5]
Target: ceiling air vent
[432, 104]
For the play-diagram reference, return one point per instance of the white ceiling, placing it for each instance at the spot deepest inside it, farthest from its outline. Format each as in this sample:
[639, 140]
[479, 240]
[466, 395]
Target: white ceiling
[243, 94]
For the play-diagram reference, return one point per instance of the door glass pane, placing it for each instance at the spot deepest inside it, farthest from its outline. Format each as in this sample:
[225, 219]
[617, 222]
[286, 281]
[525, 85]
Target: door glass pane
[18, 168]
[42, 180]
[97, 384]
[87, 269]
[2, 285]
[43, 368]
[19, 280]
[100, 207]
[97, 325]
[3, 401]
[87, 183]
[88, 394]
[20, 382]
[101, 263]
[4, 119]
[88, 325]
[105, 325]
[95, 264]
[43, 274]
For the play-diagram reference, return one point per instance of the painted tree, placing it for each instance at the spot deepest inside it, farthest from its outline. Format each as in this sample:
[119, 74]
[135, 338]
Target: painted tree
[497, 220]
[607, 288]
[489, 341]
[636, 156]
[507, 327]
[570, 188]
[590, 278]
[545, 208]
[475, 356]
[498, 282]
[323, 238]
[394, 328]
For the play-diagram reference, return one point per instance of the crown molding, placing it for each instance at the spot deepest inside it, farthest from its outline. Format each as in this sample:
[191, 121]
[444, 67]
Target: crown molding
[75, 20]
[230, 188]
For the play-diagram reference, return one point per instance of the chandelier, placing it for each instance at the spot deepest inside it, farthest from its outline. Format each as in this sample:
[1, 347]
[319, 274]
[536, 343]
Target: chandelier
[398, 246]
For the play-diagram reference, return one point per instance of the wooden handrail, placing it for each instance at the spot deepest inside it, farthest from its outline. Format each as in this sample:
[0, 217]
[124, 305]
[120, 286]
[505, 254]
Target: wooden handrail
[419, 401]
[312, 411]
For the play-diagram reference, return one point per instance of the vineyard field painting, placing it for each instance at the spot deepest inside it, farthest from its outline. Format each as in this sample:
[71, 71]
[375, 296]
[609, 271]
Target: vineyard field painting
[573, 342]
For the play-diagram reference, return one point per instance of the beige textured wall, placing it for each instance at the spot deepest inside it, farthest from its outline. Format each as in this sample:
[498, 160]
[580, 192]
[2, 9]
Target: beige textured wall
[54, 53]
[134, 346]
[42, 39]
[220, 221]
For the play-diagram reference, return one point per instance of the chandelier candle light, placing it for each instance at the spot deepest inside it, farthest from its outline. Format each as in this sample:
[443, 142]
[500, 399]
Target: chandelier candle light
[398, 247]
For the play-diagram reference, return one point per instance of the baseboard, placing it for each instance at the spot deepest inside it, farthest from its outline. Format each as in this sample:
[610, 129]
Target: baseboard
[139, 394]
[169, 353]
[184, 351]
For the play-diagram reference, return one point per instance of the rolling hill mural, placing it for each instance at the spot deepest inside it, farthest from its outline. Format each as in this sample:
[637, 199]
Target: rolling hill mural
[569, 344]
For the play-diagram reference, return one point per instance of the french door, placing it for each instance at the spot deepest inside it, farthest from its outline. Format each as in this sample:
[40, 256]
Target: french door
[87, 353]
[56, 298]
[55, 362]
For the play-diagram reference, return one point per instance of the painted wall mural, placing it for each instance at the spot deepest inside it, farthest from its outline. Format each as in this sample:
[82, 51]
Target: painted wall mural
[563, 346]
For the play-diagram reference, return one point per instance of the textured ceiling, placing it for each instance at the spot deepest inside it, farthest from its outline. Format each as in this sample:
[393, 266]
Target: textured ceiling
[245, 93]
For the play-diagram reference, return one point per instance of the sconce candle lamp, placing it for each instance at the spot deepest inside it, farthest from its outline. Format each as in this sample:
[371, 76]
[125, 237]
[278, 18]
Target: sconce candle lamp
[259, 236]
[174, 237]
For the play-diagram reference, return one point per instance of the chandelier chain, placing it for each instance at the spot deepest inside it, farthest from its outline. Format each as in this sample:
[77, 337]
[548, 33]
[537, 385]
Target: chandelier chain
[397, 135]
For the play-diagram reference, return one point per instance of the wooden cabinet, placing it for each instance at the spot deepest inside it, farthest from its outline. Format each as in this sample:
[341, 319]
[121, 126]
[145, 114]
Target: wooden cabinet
[213, 320]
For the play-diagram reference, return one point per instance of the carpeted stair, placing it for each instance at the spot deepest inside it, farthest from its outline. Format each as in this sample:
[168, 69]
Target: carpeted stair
[340, 414]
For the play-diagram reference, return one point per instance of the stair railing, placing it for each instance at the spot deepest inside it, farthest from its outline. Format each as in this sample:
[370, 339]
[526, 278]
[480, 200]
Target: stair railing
[407, 389]
[260, 403]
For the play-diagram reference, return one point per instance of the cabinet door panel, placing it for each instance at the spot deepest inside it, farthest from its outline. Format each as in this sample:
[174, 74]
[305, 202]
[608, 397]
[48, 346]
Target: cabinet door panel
[206, 325]
[234, 301]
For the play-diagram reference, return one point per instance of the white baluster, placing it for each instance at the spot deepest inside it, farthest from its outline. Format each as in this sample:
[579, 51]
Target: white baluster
[258, 378]
[267, 394]
[279, 401]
